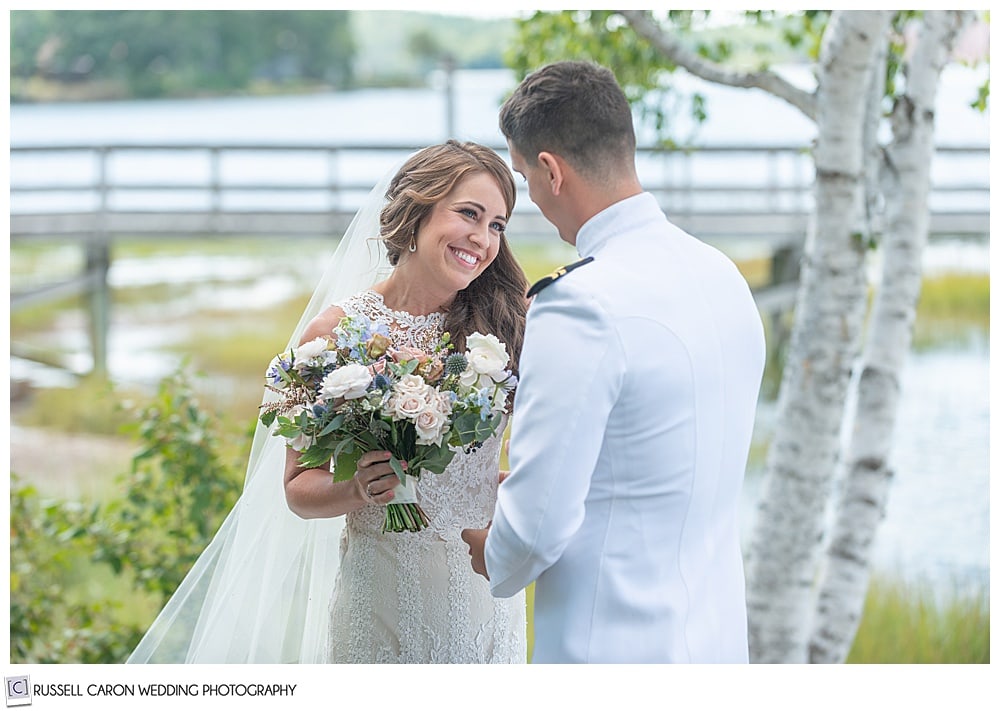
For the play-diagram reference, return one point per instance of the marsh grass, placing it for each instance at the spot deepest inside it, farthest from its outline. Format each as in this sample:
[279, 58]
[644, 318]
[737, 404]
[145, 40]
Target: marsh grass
[93, 406]
[231, 347]
[905, 623]
[953, 309]
[911, 623]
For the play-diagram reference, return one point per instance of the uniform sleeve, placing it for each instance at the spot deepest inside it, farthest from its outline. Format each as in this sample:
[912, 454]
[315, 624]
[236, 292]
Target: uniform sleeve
[571, 367]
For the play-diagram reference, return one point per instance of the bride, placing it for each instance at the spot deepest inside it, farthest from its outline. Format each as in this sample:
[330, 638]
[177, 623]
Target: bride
[316, 580]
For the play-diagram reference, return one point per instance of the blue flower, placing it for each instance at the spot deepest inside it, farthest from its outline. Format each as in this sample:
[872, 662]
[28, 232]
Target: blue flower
[273, 374]
[372, 328]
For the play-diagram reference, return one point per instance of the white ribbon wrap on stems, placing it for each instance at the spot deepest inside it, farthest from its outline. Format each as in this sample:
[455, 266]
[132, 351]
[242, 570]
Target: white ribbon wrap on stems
[406, 493]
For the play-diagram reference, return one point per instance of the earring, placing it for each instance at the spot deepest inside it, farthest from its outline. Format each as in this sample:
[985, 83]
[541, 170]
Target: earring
[413, 240]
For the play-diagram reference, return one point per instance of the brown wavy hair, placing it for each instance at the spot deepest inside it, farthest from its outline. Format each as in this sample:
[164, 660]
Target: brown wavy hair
[495, 300]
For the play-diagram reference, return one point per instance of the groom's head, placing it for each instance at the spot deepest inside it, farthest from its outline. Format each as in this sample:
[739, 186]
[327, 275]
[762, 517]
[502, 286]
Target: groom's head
[575, 110]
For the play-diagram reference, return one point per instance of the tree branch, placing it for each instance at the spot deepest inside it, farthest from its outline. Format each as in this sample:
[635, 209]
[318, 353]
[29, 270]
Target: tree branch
[647, 28]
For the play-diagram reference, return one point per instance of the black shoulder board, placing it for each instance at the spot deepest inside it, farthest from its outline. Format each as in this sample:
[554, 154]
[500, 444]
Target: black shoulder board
[558, 273]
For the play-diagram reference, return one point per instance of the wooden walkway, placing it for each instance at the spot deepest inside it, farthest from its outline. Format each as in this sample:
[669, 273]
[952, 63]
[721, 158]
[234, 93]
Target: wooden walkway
[717, 193]
[744, 199]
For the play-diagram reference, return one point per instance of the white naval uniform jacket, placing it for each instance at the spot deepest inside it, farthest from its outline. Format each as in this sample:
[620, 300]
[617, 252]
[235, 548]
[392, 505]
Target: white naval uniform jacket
[632, 422]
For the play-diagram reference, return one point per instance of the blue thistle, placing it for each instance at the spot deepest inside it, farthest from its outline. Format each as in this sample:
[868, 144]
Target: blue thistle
[455, 364]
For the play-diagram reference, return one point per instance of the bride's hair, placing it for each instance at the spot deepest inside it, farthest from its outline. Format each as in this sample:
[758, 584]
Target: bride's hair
[495, 300]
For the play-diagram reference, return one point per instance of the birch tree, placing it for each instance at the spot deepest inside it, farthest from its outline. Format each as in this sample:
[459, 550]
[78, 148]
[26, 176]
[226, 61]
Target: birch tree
[786, 545]
[868, 475]
[786, 549]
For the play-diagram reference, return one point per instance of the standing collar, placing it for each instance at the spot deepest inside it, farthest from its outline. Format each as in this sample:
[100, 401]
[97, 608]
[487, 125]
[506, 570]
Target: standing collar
[622, 216]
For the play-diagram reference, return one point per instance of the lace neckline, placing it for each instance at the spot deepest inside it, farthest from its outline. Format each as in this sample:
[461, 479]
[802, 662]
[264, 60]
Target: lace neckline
[402, 318]
[420, 332]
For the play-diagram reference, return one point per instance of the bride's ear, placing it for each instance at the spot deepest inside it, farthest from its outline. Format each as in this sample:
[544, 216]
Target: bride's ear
[555, 168]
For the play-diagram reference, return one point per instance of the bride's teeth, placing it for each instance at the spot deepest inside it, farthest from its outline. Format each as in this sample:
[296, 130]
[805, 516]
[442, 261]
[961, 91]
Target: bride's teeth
[467, 258]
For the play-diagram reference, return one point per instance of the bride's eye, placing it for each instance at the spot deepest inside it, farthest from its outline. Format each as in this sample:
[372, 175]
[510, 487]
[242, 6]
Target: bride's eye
[469, 212]
[498, 227]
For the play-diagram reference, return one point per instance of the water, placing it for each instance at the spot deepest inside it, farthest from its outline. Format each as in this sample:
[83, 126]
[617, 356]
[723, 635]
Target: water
[417, 117]
[937, 524]
[936, 528]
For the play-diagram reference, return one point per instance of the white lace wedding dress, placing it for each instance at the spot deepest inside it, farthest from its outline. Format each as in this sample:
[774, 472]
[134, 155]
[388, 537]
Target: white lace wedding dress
[413, 597]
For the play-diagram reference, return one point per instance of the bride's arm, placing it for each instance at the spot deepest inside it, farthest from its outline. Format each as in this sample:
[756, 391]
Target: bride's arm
[312, 492]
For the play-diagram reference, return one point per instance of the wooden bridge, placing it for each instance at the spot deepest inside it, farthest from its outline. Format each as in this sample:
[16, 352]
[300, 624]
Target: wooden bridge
[747, 200]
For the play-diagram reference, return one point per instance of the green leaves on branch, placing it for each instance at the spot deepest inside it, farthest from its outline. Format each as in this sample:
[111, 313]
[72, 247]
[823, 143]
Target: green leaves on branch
[472, 428]
[171, 503]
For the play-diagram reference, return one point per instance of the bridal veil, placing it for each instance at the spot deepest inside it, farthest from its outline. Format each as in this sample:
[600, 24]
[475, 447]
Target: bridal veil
[260, 591]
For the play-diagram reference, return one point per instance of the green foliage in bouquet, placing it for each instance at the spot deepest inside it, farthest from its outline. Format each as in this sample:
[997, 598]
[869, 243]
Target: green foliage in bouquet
[338, 398]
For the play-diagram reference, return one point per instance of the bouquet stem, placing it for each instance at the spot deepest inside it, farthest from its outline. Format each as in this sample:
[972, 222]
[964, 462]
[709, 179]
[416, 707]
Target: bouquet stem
[404, 517]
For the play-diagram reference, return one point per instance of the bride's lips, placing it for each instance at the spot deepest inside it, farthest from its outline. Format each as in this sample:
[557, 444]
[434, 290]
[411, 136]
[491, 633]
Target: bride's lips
[458, 254]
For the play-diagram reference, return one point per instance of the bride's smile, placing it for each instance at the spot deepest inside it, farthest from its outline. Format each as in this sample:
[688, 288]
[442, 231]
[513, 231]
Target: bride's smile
[455, 243]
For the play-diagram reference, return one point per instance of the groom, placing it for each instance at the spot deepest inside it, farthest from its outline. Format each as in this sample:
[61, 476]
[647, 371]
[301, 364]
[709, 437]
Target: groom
[639, 380]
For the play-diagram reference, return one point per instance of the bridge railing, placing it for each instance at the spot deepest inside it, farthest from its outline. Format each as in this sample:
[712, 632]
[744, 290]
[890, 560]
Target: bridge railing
[716, 192]
[746, 199]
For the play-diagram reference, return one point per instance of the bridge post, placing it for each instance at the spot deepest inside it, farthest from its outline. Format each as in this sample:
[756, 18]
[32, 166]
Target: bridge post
[215, 186]
[97, 264]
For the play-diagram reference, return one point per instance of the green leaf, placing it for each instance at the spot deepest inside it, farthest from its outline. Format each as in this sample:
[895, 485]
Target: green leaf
[335, 424]
[397, 467]
[314, 457]
[346, 463]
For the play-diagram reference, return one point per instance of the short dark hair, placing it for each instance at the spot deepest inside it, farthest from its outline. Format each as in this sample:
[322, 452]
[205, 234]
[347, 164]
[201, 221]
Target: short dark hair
[576, 110]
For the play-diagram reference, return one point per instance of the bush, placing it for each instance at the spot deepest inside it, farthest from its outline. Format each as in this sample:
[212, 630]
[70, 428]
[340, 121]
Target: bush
[173, 500]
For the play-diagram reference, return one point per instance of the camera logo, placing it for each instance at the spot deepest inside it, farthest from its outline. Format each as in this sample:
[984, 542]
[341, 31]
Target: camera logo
[18, 691]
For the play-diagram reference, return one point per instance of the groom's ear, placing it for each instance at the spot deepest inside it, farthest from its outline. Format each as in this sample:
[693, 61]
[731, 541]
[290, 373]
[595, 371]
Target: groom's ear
[555, 170]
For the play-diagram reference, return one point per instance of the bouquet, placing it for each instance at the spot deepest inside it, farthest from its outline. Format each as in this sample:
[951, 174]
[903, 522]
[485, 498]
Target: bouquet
[343, 396]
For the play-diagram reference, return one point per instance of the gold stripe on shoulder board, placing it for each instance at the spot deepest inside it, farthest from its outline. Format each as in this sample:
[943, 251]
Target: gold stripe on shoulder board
[557, 274]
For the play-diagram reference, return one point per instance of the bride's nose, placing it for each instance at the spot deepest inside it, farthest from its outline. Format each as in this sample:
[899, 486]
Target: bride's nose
[480, 235]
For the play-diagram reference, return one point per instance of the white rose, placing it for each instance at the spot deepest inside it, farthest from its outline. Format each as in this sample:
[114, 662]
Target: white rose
[430, 426]
[469, 377]
[411, 385]
[406, 407]
[499, 402]
[474, 380]
[443, 403]
[310, 349]
[349, 382]
[302, 441]
[487, 355]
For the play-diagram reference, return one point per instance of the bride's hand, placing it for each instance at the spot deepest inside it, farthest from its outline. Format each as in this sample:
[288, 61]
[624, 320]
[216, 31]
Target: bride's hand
[503, 475]
[375, 478]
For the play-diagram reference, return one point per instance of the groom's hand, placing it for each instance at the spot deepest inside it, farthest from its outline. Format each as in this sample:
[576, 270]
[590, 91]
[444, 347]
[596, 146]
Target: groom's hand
[476, 540]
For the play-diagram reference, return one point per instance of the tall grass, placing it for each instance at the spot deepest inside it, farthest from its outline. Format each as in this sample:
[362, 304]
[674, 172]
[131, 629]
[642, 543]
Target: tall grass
[911, 623]
[953, 308]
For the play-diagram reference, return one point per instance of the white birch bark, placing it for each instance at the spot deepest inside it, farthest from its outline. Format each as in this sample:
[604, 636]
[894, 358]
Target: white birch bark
[784, 553]
[788, 533]
[868, 476]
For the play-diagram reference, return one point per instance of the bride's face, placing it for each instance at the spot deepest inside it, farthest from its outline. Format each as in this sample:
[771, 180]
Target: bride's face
[461, 235]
